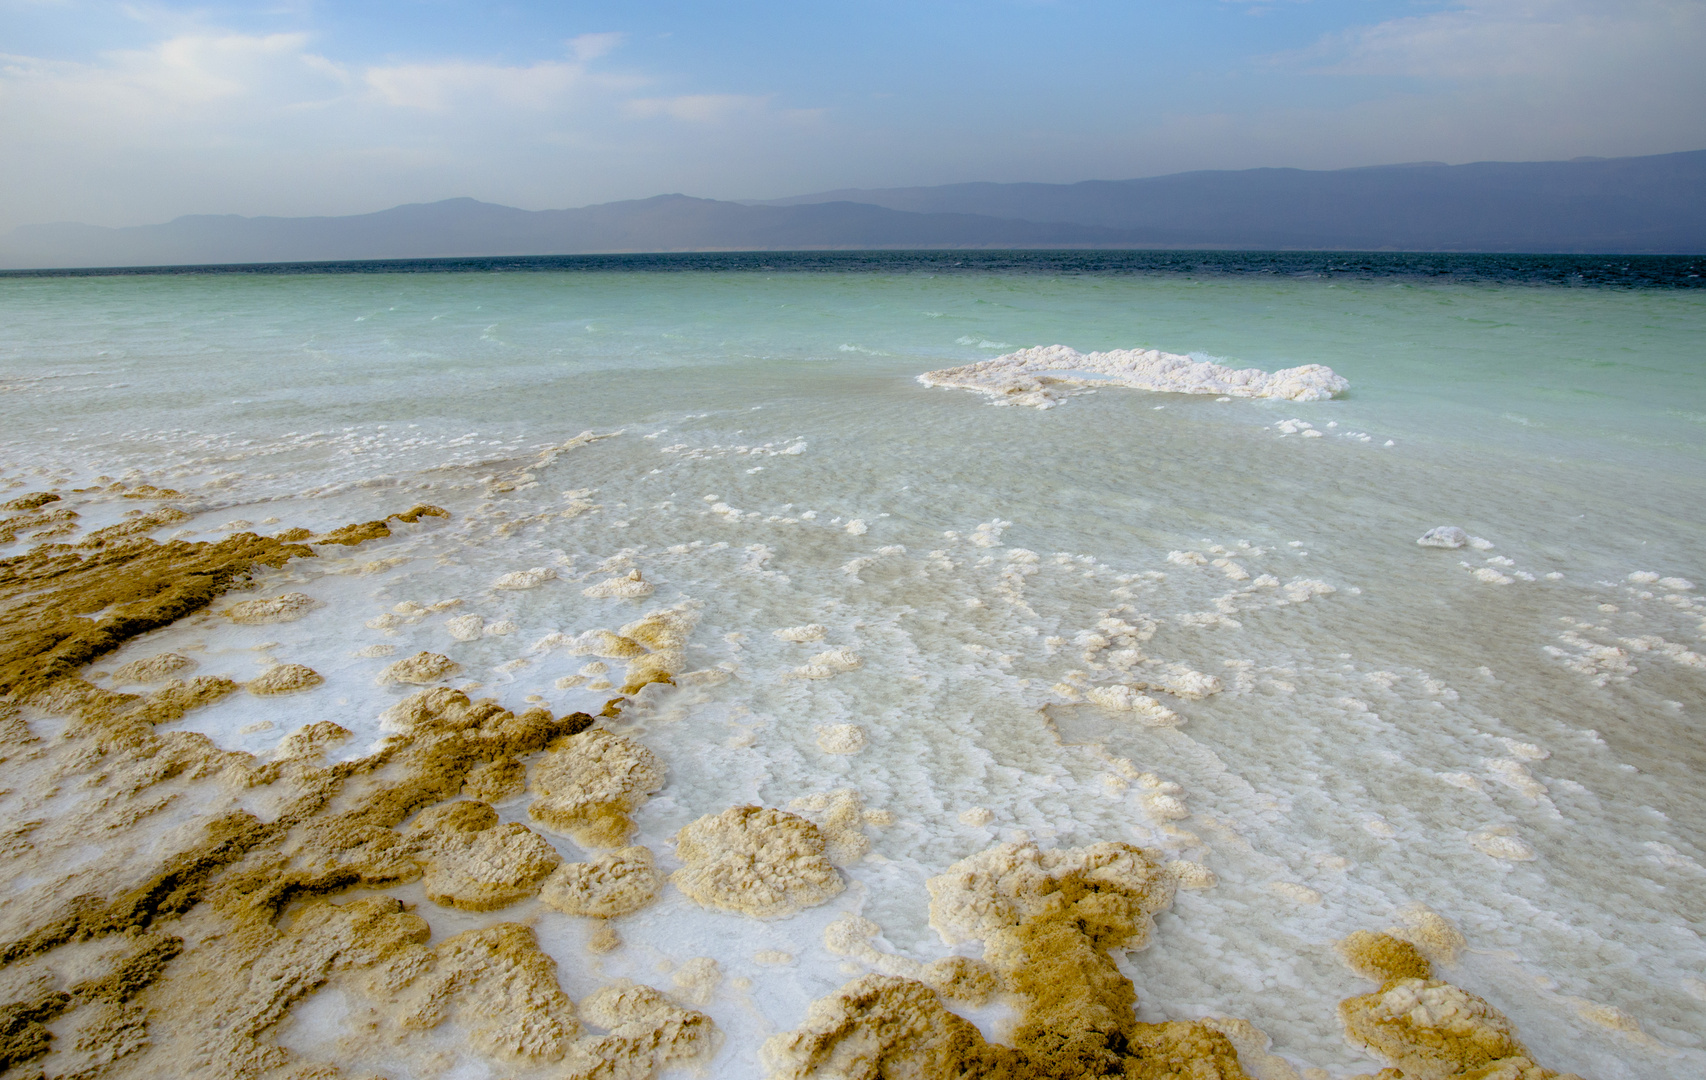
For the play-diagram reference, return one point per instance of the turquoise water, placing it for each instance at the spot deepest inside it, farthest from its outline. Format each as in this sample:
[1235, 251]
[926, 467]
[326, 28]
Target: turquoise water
[1364, 737]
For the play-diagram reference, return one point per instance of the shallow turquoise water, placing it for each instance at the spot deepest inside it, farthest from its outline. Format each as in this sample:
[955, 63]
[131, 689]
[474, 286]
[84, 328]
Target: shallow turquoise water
[1565, 425]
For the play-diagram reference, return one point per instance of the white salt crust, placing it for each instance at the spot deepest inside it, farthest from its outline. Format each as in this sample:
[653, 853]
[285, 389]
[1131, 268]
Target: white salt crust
[1041, 377]
[951, 696]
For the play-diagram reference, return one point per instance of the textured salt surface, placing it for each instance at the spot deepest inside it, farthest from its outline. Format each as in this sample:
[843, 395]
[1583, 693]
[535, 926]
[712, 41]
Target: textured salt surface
[1042, 376]
[1477, 753]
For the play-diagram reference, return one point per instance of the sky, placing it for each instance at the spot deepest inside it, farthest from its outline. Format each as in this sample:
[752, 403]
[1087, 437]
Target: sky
[131, 113]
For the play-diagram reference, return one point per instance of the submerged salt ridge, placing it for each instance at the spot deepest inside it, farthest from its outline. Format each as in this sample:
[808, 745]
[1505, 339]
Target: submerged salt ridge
[1038, 377]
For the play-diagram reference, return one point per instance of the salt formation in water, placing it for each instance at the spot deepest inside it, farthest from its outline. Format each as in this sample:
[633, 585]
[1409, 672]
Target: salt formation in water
[422, 669]
[292, 906]
[285, 679]
[181, 950]
[1444, 536]
[154, 669]
[588, 785]
[1429, 1029]
[616, 883]
[1046, 920]
[1042, 376]
[471, 862]
[757, 861]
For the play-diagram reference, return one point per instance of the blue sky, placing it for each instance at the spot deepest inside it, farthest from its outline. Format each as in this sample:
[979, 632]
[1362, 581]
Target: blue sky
[128, 113]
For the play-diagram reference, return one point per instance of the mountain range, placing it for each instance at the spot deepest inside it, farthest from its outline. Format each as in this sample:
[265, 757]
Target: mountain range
[1619, 205]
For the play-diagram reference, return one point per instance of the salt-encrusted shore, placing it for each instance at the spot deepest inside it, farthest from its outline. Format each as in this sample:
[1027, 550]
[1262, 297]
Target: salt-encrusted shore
[1042, 376]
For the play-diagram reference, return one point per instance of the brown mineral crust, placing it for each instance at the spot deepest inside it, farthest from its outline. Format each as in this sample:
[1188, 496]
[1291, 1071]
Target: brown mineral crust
[1382, 957]
[40, 525]
[304, 852]
[351, 535]
[418, 511]
[33, 501]
[588, 784]
[136, 526]
[756, 861]
[241, 893]
[495, 781]
[963, 979]
[1047, 920]
[285, 679]
[274, 609]
[617, 883]
[63, 609]
[361, 532]
[154, 669]
[175, 887]
[149, 491]
[178, 697]
[421, 669]
[472, 863]
[883, 1026]
[646, 670]
[645, 1032]
[311, 740]
[499, 983]
[1428, 1029]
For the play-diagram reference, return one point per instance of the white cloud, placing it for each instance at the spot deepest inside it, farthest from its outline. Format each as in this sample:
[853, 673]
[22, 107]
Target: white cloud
[697, 108]
[588, 47]
[218, 122]
[442, 86]
[1493, 39]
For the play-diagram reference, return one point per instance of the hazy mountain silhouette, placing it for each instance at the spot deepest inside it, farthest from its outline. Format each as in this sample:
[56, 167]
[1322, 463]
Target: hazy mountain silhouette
[1640, 204]
[1630, 205]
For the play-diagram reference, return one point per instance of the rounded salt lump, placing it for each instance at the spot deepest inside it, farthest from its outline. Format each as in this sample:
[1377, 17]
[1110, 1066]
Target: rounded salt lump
[756, 861]
[1444, 536]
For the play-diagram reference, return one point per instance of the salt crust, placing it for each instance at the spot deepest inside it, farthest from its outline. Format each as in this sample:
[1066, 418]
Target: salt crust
[1426, 1028]
[755, 861]
[586, 785]
[827, 665]
[421, 669]
[471, 862]
[284, 679]
[1046, 921]
[1037, 377]
[208, 933]
[958, 977]
[630, 587]
[840, 738]
[465, 627]
[526, 579]
[154, 669]
[810, 632]
[616, 883]
[1127, 699]
[278, 609]
[840, 818]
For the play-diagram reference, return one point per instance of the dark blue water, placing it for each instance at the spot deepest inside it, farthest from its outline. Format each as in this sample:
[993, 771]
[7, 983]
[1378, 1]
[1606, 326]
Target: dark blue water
[1590, 271]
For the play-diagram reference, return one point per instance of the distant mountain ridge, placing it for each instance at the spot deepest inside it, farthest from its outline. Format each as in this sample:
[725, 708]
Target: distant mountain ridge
[1625, 205]
[1619, 205]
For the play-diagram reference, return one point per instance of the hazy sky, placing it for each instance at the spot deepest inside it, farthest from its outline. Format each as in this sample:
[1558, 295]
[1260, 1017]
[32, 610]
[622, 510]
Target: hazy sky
[124, 113]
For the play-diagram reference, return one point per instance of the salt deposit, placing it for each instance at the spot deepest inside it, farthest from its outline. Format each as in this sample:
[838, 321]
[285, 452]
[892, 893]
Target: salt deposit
[1444, 536]
[1041, 377]
[757, 861]
[537, 832]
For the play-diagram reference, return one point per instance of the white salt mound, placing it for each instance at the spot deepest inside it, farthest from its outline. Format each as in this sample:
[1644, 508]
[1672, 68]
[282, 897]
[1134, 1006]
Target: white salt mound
[1037, 377]
[1444, 536]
